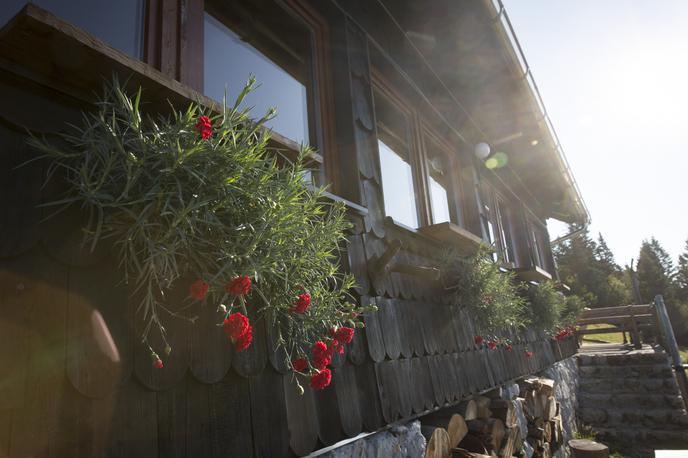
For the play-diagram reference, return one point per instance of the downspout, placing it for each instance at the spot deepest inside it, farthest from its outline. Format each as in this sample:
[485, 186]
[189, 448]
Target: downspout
[568, 236]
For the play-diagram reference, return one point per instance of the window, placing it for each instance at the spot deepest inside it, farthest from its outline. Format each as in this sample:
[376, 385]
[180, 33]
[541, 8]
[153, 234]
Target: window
[259, 38]
[118, 23]
[496, 221]
[395, 161]
[439, 181]
[539, 241]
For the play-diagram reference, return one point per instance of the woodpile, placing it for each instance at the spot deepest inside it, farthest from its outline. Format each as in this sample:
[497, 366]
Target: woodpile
[482, 426]
[542, 412]
[498, 425]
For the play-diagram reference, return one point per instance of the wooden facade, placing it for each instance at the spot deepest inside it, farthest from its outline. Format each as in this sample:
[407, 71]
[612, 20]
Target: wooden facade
[67, 391]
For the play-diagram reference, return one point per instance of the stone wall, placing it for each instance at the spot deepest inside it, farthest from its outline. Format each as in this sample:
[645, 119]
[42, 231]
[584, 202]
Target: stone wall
[403, 441]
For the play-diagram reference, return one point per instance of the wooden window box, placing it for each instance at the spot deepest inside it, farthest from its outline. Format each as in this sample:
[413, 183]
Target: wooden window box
[533, 273]
[466, 242]
[39, 46]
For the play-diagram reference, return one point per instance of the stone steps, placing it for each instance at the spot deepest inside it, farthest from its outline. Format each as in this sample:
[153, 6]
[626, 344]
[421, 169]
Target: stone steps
[627, 385]
[631, 399]
[669, 438]
[654, 419]
[643, 370]
[651, 400]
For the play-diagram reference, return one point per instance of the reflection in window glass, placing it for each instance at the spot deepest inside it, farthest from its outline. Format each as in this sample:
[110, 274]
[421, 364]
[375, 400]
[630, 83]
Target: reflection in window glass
[439, 201]
[118, 23]
[438, 182]
[229, 62]
[397, 186]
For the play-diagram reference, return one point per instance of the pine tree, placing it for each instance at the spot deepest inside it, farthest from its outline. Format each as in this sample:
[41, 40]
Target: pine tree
[654, 270]
[590, 270]
[605, 257]
[682, 276]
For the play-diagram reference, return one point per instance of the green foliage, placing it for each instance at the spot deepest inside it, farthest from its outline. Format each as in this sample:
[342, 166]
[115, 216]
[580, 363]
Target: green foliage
[655, 271]
[179, 208]
[545, 305]
[589, 268]
[573, 307]
[488, 293]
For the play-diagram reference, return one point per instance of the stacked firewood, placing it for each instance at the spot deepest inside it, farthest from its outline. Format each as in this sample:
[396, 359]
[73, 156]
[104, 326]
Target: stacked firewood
[503, 423]
[484, 426]
[543, 413]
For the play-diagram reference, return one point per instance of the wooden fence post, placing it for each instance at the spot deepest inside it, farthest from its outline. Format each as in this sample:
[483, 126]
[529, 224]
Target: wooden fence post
[672, 347]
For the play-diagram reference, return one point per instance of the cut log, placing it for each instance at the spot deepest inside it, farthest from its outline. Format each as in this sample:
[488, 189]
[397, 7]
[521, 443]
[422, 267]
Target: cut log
[483, 405]
[550, 408]
[558, 431]
[496, 431]
[472, 443]
[467, 409]
[477, 426]
[438, 445]
[463, 453]
[547, 430]
[584, 448]
[457, 429]
[505, 411]
[510, 447]
[536, 432]
[546, 386]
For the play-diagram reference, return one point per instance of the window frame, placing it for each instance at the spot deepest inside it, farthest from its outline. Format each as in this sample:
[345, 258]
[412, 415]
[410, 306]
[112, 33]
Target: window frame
[174, 42]
[420, 133]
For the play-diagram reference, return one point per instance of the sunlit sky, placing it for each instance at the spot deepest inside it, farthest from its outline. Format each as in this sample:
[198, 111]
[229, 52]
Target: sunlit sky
[614, 77]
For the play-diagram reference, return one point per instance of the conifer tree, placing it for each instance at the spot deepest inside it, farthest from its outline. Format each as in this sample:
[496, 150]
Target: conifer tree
[682, 276]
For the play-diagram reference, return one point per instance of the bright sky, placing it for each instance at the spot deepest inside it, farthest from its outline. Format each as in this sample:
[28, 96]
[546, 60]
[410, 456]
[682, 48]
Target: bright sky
[614, 77]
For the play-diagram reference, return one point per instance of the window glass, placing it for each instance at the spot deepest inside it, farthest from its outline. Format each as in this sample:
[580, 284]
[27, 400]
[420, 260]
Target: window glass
[438, 182]
[230, 57]
[397, 186]
[118, 23]
[504, 225]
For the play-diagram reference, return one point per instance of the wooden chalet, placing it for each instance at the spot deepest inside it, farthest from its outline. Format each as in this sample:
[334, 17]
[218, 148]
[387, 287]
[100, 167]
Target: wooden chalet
[394, 95]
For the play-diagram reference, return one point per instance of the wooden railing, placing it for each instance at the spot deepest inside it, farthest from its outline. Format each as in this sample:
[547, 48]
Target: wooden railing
[631, 319]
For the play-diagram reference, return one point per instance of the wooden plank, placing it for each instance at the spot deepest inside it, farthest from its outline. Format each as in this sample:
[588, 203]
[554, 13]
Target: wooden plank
[402, 372]
[344, 380]
[231, 414]
[268, 413]
[465, 241]
[373, 334]
[329, 420]
[413, 332]
[135, 422]
[99, 344]
[388, 387]
[387, 316]
[172, 413]
[211, 356]
[277, 355]
[302, 417]
[358, 264]
[369, 397]
[19, 192]
[200, 427]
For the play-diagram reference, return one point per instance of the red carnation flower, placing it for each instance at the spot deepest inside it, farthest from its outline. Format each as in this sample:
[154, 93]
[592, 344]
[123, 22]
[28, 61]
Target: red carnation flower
[199, 289]
[301, 304]
[321, 355]
[335, 347]
[344, 335]
[244, 341]
[492, 344]
[300, 364]
[236, 325]
[321, 380]
[478, 340]
[239, 286]
[509, 347]
[158, 364]
[529, 354]
[204, 127]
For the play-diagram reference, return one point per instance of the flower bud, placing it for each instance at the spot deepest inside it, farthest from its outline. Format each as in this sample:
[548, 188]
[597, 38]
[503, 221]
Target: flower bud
[168, 349]
[222, 308]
